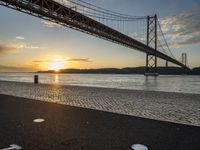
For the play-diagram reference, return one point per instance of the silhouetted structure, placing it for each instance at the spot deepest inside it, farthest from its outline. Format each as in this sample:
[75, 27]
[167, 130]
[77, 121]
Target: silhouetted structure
[94, 22]
[184, 59]
[128, 70]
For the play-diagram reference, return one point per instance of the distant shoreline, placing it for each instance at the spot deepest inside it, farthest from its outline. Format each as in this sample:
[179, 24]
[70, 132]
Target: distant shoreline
[136, 70]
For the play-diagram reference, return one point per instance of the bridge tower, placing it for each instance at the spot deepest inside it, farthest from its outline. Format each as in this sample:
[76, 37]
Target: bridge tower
[184, 59]
[166, 64]
[151, 59]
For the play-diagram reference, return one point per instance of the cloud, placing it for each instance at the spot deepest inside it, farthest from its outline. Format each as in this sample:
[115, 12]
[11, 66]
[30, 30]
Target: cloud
[50, 24]
[5, 49]
[31, 47]
[15, 47]
[14, 69]
[62, 60]
[44, 61]
[79, 59]
[19, 37]
[192, 40]
[182, 29]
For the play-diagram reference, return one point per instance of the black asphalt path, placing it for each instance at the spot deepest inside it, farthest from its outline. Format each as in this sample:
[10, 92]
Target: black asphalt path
[73, 128]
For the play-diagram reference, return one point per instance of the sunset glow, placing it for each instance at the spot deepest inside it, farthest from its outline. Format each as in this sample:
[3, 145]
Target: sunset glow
[56, 66]
[57, 63]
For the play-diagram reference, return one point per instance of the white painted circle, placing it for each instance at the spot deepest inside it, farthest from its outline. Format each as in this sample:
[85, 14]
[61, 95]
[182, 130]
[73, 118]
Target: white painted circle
[139, 147]
[39, 120]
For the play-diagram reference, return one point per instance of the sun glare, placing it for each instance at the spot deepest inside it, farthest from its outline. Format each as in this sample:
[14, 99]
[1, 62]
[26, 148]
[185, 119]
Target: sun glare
[57, 64]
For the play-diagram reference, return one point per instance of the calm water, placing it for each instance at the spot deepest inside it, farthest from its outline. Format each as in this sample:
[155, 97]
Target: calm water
[179, 83]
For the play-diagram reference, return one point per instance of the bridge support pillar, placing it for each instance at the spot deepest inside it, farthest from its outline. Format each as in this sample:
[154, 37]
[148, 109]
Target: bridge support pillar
[166, 64]
[151, 59]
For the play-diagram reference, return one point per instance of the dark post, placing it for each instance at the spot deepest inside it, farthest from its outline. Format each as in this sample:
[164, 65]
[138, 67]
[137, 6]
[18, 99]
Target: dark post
[36, 79]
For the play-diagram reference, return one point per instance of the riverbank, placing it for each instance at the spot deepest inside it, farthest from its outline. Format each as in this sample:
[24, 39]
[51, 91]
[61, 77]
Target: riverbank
[164, 106]
[75, 128]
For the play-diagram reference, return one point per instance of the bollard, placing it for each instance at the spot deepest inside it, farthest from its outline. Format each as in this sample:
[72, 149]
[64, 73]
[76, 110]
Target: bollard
[36, 79]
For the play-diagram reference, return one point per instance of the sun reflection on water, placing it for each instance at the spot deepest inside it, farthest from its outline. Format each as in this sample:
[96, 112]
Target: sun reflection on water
[56, 80]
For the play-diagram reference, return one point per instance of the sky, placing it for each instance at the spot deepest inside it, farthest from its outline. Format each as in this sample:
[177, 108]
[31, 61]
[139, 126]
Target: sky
[29, 43]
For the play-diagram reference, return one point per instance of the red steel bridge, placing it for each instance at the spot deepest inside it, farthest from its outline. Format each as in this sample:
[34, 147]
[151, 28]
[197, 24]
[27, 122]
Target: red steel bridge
[140, 33]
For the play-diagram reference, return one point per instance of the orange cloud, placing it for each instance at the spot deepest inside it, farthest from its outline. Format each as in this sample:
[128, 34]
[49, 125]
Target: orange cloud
[10, 48]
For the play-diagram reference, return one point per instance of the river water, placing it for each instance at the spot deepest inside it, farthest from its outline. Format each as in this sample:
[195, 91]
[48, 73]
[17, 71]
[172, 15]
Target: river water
[167, 83]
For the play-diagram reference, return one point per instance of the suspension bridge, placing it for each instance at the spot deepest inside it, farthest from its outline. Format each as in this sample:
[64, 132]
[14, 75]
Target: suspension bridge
[143, 33]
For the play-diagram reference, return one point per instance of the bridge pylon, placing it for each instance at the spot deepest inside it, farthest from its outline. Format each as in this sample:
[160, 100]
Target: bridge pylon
[166, 64]
[184, 58]
[151, 59]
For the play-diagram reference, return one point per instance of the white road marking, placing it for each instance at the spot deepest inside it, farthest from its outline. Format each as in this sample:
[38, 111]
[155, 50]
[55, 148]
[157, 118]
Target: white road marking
[139, 147]
[39, 120]
[13, 147]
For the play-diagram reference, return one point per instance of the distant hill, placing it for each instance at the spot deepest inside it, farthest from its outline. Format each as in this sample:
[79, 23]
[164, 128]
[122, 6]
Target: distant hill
[130, 70]
[196, 71]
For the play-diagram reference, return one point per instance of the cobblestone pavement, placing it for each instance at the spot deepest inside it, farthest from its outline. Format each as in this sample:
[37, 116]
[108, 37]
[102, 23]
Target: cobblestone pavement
[173, 107]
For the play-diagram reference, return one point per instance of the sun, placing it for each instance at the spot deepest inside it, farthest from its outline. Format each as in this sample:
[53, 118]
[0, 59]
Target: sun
[57, 64]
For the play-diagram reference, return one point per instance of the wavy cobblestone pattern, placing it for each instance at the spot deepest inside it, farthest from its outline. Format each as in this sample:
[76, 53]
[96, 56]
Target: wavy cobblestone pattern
[173, 107]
